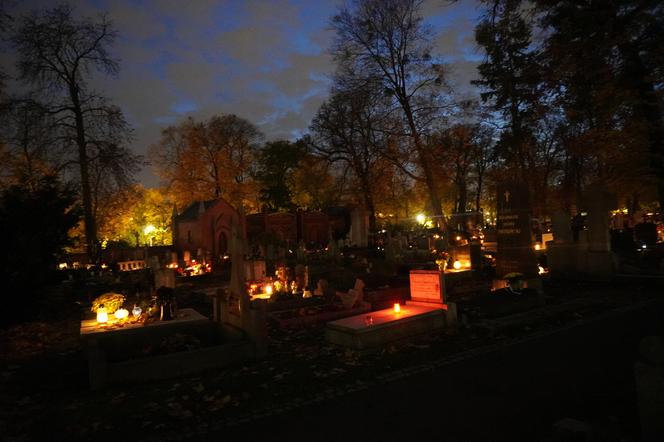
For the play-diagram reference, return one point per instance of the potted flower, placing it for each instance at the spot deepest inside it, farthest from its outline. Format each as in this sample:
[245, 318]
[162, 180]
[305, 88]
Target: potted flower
[109, 301]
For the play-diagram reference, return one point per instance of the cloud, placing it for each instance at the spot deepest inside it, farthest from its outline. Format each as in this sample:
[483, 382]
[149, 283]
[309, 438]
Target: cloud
[263, 60]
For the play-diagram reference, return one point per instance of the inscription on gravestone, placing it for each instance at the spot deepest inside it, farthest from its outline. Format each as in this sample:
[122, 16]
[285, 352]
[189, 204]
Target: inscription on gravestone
[426, 286]
[513, 228]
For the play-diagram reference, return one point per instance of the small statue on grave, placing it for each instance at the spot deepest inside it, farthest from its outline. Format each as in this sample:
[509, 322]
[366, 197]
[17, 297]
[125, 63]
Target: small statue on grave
[354, 296]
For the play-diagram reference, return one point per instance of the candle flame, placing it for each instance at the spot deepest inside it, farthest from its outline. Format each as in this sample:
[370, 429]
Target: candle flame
[397, 308]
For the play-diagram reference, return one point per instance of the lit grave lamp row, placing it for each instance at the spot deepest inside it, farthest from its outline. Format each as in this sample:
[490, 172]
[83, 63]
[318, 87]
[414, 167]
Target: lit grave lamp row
[120, 314]
[265, 290]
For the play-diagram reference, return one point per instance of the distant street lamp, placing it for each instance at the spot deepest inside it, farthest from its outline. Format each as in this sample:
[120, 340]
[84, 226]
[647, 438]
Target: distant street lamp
[148, 230]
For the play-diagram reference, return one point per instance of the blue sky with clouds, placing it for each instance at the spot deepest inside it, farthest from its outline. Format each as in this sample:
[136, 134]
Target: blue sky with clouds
[264, 60]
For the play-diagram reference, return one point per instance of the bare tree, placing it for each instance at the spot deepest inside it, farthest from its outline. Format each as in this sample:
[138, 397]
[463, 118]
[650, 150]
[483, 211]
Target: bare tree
[348, 131]
[482, 159]
[386, 39]
[31, 152]
[57, 54]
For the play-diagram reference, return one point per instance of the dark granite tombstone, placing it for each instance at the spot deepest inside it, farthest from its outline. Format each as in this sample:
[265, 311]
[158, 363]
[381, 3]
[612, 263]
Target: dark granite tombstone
[515, 246]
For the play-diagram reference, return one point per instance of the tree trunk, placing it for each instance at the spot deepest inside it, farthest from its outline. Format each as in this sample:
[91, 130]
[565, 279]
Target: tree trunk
[86, 194]
[434, 199]
[463, 196]
[369, 205]
[478, 196]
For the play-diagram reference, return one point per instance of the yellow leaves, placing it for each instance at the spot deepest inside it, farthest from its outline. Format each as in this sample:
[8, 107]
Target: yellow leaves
[130, 211]
[111, 301]
[202, 161]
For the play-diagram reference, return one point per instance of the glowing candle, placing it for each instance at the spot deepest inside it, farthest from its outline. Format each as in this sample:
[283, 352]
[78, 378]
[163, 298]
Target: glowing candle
[102, 315]
[268, 289]
[457, 265]
[397, 308]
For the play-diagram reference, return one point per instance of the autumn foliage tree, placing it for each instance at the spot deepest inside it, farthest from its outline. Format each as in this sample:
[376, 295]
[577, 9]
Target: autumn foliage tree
[211, 159]
[136, 216]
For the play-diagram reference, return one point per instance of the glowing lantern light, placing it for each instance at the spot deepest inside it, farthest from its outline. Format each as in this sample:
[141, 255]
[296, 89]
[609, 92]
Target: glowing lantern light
[268, 289]
[458, 238]
[421, 218]
[397, 308]
[457, 265]
[537, 246]
[121, 313]
[102, 314]
[136, 311]
[540, 270]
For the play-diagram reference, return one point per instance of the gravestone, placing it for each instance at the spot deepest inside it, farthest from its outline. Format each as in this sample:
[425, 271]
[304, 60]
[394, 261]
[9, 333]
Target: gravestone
[255, 270]
[469, 255]
[332, 248]
[240, 311]
[153, 262]
[475, 255]
[359, 227]
[423, 243]
[164, 278]
[427, 286]
[562, 227]
[301, 276]
[599, 202]
[514, 236]
[599, 261]
[563, 252]
[392, 249]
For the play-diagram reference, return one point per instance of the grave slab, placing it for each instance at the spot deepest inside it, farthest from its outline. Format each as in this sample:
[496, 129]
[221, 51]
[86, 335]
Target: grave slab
[114, 352]
[375, 329]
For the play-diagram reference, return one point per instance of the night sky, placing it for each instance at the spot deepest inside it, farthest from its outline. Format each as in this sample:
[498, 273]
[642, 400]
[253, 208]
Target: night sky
[266, 61]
